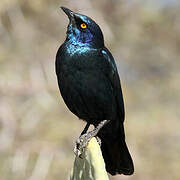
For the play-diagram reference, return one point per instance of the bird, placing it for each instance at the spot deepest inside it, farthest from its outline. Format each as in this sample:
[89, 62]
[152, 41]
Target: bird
[90, 86]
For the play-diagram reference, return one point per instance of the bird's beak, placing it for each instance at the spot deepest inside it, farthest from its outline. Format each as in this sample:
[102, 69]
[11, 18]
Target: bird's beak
[68, 12]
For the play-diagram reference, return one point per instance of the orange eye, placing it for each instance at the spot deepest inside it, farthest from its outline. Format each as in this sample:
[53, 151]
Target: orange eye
[83, 26]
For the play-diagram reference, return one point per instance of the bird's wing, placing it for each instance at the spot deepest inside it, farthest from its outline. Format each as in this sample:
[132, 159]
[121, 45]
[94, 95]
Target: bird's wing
[115, 81]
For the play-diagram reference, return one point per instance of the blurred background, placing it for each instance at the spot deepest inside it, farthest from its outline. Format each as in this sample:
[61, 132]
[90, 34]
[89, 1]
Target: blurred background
[38, 132]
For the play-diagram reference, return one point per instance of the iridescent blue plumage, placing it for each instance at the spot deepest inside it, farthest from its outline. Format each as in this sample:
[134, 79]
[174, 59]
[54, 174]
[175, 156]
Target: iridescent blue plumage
[90, 36]
[90, 86]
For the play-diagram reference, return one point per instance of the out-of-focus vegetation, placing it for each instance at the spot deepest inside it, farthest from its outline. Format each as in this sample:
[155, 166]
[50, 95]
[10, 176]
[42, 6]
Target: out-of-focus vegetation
[37, 131]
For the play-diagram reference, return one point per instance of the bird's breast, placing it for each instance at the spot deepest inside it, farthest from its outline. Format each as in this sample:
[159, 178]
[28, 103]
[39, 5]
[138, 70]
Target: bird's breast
[83, 83]
[76, 48]
[87, 93]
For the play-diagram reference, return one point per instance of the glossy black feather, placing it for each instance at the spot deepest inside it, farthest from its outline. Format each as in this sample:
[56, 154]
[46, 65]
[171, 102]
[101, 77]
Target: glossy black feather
[90, 86]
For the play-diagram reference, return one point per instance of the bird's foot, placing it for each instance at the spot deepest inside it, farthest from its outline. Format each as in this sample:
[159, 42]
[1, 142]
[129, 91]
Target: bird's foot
[98, 140]
[83, 140]
[81, 143]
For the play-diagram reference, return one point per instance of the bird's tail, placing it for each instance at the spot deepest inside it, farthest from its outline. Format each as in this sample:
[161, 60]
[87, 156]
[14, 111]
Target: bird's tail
[114, 149]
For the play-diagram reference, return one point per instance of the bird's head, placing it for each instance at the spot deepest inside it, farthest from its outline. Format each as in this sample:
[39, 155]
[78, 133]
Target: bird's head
[83, 30]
